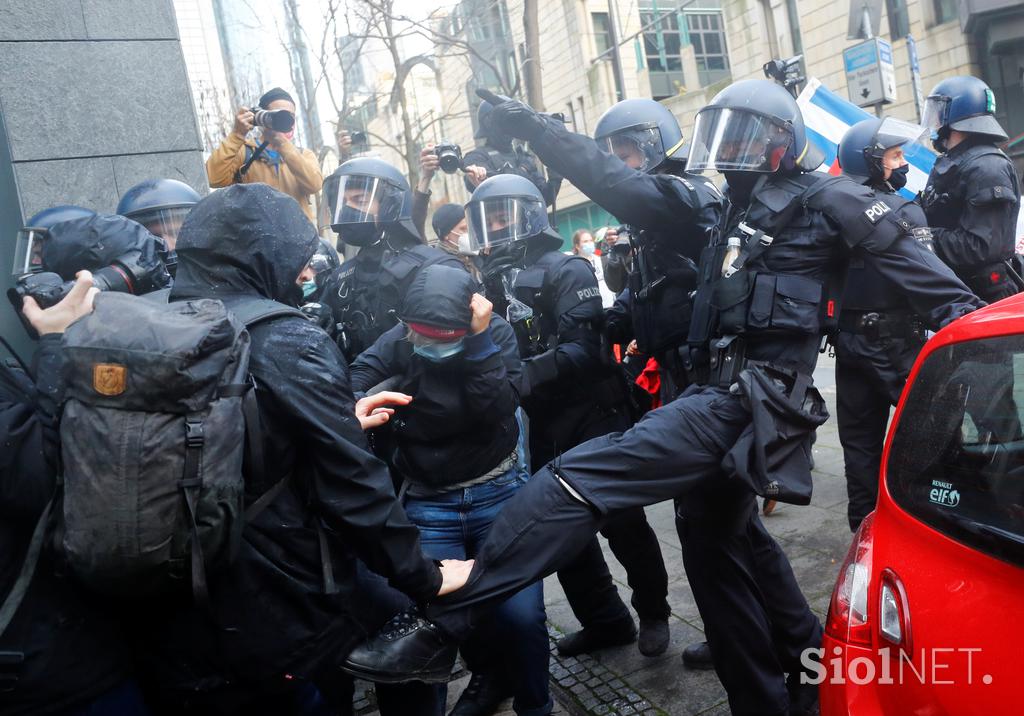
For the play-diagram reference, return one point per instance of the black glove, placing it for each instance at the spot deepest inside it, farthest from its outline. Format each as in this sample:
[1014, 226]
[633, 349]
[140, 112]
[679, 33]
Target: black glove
[513, 117]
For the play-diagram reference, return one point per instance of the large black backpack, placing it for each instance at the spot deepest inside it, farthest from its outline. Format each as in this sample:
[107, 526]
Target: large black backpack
[158, 417]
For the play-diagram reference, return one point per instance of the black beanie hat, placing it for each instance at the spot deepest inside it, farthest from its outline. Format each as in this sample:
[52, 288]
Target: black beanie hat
[273, 95]
[445, 219]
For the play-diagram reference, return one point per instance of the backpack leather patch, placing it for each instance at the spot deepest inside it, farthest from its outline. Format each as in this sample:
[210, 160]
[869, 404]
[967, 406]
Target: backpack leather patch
[109, 378]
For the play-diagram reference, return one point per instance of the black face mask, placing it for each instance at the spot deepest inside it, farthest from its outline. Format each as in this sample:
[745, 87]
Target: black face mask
[741, 184]
[365, 234]
[898, 177]
[940, 140]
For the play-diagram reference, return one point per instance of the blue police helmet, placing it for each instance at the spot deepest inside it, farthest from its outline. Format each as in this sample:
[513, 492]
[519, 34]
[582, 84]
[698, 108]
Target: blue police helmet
[646, 124]
[752, 126]
[865, 143]
[374, 197]
[504, 209]
[965, 104]
[29, 243]
[155, 194]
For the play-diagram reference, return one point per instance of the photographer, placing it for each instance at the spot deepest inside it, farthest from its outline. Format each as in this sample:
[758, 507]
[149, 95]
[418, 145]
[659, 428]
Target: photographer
[499, 155]
[274, 160]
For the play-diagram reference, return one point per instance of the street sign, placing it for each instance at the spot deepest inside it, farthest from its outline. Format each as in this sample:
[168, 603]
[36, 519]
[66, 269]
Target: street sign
[870, 73]
[915, 77]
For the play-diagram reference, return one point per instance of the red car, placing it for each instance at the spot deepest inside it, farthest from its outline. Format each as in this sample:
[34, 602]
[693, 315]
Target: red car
[927, 615]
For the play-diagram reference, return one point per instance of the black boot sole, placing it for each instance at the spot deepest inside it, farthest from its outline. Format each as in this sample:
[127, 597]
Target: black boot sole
[437, 676]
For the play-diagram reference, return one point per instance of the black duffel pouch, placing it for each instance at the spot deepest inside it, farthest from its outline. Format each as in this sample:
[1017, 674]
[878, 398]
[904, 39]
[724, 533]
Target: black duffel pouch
[785, 303]
[773, 454]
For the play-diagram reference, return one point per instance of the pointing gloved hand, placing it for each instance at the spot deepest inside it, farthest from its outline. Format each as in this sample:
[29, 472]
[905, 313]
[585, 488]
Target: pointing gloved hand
[513, 117]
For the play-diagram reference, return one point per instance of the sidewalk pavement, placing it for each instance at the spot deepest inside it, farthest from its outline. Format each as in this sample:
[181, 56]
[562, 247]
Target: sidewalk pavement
[620, 681]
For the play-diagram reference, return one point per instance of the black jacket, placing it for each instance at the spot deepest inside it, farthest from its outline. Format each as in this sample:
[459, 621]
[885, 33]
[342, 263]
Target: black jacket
[61, 649]
[515, 161]
[273, 615]
[971, 200]
[461, 422]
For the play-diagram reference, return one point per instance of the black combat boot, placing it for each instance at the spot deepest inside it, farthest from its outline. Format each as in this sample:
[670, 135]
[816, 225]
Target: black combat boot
[407, 648]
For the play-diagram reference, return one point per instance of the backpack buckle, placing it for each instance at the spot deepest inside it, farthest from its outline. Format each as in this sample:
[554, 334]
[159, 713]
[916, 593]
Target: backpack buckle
[194, 437]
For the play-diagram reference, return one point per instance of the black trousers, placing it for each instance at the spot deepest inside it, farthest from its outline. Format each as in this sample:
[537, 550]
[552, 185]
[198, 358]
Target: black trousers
[586, 580]
[753, 611]
[870, 376]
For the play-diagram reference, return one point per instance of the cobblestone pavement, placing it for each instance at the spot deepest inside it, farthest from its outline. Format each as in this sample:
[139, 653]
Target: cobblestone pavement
[620, 681]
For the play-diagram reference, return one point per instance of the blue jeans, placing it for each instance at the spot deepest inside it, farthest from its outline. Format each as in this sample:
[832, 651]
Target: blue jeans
[453, 525]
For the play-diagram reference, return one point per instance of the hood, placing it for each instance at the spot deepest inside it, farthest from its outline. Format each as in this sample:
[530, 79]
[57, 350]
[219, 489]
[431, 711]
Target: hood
[94, 242]
[439, 297]
[243, 240]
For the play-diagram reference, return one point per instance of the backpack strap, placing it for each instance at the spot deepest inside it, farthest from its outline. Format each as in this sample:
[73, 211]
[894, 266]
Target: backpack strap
[190, 484]
[28, 569]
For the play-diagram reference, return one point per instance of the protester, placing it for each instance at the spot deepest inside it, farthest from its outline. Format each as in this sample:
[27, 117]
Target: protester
[275, 160]
[583, 245]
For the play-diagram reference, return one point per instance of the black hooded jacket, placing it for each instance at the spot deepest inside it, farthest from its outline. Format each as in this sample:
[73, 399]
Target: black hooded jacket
[461, 423]
[273, 614]
[60, 650]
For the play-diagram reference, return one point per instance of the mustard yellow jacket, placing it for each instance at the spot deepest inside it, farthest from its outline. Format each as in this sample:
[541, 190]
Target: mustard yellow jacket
[298, 175]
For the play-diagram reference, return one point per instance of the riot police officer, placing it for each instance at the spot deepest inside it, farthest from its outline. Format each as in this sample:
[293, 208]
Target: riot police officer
[371, 204]
[160, 205]
[634, 168]
[879, 336]
[28, 250]
[973, 192]
[499, 155]
[743, 427]
[571, 392]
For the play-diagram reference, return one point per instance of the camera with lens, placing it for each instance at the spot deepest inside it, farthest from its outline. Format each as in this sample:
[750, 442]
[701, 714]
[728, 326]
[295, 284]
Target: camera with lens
[125, 275]
[449, 156]
[279, 120]
[623, 245]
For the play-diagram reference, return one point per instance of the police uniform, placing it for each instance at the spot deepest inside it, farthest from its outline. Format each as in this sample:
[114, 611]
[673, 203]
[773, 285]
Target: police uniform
[366, 292]
[512, 161]
[757, 621]
[571, 393]
[878, 340]
[672, 218]
[971, 201]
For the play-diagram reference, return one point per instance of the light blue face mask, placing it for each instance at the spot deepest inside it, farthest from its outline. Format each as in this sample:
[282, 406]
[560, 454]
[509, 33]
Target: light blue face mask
[438, 352]
[308, 288]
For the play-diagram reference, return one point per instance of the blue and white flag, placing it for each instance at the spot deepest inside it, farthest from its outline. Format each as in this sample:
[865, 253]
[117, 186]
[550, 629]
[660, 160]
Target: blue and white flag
[827, 116]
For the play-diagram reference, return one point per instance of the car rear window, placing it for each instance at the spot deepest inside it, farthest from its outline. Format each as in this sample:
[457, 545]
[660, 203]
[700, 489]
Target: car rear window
[957, 457]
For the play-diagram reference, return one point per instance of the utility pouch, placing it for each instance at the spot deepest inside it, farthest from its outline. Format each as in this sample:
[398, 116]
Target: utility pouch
[730, 298]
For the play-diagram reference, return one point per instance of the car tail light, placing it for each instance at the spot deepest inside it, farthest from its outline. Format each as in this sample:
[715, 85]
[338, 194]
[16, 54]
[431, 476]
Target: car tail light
[893, 611]
[848, 611]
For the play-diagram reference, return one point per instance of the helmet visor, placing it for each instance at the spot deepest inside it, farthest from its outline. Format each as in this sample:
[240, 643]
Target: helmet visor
[28, 251]
[731, 140]
[502, 220]
[163, 223]
[936, 111]
[894, 132]
[362, 199]
[639, 147]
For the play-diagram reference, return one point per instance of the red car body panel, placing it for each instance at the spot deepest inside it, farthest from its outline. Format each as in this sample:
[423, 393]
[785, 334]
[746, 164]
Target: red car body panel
[957, 599]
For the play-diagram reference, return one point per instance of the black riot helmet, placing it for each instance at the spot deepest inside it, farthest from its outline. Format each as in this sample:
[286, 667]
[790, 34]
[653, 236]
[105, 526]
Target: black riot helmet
[160, 205]
[28, 250]
[644, 125]
[506, 209]
[864, 144]
[752, 126]
[370, 199]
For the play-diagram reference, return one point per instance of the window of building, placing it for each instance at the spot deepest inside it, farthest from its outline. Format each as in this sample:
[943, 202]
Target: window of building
[667, 30]
[602, 31]
[707, 35]
[945, 11]
[899, 20]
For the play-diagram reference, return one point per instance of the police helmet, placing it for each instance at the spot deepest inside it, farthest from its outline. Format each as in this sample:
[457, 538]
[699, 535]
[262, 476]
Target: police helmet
[862, 147]
[28, 249]
[160, 205]
[965, 104]
[752, 126]
[505, 209]
[369, 197]
[646, 126]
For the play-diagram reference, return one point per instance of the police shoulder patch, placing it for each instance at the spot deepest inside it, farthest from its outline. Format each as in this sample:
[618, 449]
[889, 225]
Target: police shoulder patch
[876, 211]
